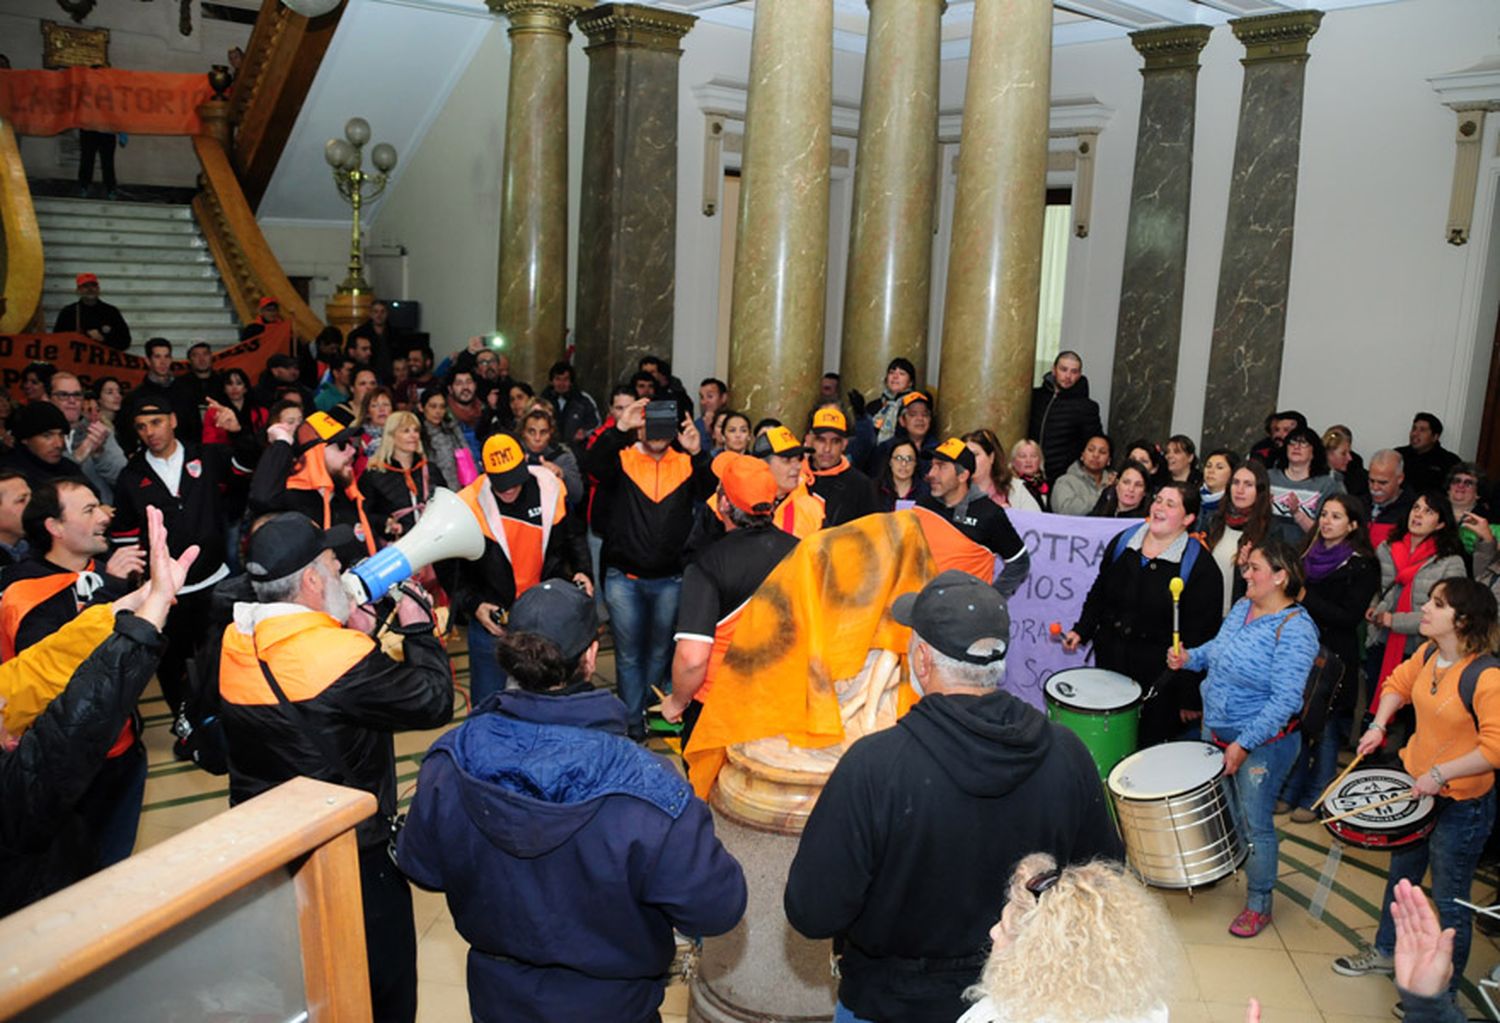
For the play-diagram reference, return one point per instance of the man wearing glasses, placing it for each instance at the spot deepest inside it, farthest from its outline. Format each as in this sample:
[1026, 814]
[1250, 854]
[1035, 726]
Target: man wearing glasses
[908, 852]
[91, 442]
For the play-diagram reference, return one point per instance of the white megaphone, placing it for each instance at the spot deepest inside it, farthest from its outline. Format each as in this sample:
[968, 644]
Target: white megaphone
[447, 529]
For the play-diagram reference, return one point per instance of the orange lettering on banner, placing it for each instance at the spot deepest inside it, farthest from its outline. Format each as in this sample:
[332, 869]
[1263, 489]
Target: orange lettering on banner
[102, 99]
[89, 360]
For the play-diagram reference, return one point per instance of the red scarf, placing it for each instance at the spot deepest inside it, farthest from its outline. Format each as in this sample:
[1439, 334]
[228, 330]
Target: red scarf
[1408, 563]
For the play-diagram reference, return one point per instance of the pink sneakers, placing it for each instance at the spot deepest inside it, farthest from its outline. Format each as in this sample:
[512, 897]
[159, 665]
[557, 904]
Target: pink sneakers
[1249, 923]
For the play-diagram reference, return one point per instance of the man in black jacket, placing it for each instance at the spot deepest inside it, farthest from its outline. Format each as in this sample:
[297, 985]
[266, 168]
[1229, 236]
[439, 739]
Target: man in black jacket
[164, 386]
[847, 493]
[41, 451]
[905, 859]
[1063, 416]
[99, 320]
[304, 695]
[46, 842]
[310, 469]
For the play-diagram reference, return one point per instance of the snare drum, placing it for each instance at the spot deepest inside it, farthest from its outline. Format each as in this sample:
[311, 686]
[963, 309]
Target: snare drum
[1172, 803]
[1404, 822]
[1103, 708]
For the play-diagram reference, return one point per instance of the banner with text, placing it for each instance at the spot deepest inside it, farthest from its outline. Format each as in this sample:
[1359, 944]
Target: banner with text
[1066, 552]
[89, 360]
[103, 99]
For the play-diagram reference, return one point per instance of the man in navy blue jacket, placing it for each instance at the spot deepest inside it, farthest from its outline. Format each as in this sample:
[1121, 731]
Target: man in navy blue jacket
[567, 852]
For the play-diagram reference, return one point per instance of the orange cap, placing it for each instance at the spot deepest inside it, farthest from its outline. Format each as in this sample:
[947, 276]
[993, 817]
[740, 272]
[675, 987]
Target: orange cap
[504, 461]
[268, 300]
[83, 279]
[747, 482]
[830, 417]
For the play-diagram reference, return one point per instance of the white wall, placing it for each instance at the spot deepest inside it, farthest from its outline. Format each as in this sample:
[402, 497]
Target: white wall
[1373, 331]
[143, 36]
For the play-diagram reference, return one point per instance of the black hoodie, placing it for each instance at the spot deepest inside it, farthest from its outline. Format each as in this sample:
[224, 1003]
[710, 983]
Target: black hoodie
[1062, 421]
[908, 853]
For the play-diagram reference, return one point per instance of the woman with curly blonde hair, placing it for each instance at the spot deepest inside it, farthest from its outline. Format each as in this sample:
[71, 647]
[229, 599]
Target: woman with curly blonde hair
[1069, 949]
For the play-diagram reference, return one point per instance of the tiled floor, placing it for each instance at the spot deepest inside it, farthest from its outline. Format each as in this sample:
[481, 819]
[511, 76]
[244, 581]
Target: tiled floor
[1286, 966]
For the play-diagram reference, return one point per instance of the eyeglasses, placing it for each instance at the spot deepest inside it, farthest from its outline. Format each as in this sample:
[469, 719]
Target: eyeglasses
[1464, 482]
[1043, 881]
[1299, 442]
[67, 395]
[904, 459]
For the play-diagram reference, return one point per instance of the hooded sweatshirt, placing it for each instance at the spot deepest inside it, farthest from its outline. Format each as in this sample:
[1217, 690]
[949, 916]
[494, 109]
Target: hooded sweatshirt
[1062, 421]
[568, 855]
[908, 852]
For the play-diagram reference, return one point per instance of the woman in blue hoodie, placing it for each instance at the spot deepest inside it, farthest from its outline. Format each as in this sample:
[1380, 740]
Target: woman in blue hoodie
[568, 853]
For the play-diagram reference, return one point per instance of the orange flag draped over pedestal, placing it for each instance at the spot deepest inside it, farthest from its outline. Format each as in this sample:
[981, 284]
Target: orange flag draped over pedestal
[812, 623]
[103, 99]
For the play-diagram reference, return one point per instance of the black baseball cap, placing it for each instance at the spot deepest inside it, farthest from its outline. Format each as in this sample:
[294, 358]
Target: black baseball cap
[959, 615]
[151, 405]
[956, 451]
[331, 427]
[281, 360]
[289, 542]
[558, 610]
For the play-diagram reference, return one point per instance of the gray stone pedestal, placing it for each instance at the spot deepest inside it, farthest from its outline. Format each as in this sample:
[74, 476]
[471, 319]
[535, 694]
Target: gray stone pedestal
[762, 971]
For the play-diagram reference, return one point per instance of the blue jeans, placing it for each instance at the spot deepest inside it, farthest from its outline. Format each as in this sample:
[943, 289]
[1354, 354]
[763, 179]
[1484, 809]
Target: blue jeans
[643, 617]
[485, 674]
[841, 1014]
[1256, 785]
[111, 805]
[1452, 850]
[1316, 765]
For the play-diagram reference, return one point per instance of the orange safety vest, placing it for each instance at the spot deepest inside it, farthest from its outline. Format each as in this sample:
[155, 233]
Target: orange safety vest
[312, 474]
[801, 512]
[524, 542]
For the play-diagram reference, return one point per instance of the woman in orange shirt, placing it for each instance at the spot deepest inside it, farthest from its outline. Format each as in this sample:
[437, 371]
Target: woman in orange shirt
[1452, 754]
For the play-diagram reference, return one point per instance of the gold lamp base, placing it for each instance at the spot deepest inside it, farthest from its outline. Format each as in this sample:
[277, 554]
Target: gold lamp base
[347, 310]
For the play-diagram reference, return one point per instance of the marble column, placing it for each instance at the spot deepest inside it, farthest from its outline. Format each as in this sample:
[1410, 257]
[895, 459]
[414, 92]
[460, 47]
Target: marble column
[781, 255]
[533, 294]
[995, 259]
[627, 212]
[1149, 328]
[886, 300]
[1244, 368]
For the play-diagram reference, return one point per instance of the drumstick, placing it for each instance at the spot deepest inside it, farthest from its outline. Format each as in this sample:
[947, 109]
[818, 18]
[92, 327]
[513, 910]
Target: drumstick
[1333, 784]
[1397, 798]
[1176, 587]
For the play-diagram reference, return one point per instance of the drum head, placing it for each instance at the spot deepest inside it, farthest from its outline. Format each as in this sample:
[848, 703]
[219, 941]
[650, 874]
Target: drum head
[1366, 786]
[1166, 770]
[1092, 690]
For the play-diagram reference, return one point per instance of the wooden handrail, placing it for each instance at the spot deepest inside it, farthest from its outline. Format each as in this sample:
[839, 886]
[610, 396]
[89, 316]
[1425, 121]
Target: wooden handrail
[280, 63]
[58, 941]
[21, 261]
[247, 264]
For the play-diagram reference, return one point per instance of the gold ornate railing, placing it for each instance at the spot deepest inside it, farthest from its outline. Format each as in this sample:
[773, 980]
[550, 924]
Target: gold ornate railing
[20, 240]
[248, 266]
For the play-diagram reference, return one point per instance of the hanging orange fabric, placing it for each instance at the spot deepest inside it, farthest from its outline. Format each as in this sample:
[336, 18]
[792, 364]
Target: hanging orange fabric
[103, 99]
[812, 622]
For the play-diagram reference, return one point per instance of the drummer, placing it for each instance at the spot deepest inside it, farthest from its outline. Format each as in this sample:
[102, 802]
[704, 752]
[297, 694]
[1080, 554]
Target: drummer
[1452, 754]
[1128, 613]
[1257, 666]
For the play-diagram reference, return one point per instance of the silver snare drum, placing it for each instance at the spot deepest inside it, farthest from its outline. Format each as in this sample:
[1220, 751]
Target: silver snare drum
[1172, 804]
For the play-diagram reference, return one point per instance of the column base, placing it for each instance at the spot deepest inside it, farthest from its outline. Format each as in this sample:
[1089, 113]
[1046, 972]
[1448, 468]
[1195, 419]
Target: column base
[347, 310]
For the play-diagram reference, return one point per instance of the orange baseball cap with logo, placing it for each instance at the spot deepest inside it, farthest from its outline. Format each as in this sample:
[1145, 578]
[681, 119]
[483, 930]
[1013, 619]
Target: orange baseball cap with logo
[830, 419]
[778, 440]
[747, 482]
[504, 461]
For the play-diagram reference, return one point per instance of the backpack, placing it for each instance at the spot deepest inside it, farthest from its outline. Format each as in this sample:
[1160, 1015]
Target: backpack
[1469, 680]
[1120, 544]
[199, 729]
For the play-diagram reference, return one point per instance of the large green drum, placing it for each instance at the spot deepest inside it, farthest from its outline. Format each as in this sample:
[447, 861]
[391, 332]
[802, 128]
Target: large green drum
[1103, 708]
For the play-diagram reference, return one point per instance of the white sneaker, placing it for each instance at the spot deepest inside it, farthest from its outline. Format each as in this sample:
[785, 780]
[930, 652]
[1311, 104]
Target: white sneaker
[1365, 961]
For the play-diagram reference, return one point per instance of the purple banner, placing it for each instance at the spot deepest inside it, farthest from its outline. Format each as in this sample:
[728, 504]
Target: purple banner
[1065, 554]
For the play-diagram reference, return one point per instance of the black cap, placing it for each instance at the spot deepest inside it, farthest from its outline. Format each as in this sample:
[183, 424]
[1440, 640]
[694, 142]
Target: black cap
[37, 418]
[956, 451]
[151, 405]
[331, 427]
[290, 542]
[558, 610]
[960, 615]
[281, 361]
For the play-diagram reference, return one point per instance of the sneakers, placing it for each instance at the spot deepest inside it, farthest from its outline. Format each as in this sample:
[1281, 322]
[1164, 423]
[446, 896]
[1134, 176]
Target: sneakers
[1365, 961]
[1249, 923]
[1302, 815]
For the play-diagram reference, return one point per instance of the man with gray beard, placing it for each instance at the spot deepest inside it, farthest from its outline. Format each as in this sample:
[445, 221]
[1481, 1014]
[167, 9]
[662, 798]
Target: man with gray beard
[302, 694]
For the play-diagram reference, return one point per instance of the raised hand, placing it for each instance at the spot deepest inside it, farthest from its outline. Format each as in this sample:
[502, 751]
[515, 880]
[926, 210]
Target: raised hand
[224, 417]
[125, 561]
[1424, 949]
[167, 573]
[688, 436]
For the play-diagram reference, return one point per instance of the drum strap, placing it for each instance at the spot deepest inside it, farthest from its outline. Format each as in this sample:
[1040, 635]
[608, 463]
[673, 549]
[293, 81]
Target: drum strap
[1468, 682]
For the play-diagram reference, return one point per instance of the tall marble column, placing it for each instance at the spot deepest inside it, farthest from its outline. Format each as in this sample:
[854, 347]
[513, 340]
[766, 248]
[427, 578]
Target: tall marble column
[1151, 289]
[1244, 368]
[533, 292]
[627, 212]
[886, 300]
[781, 256]
[995, 259]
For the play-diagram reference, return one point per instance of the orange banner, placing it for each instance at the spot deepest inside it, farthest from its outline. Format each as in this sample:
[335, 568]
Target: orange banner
[89, 360]
[103, 99]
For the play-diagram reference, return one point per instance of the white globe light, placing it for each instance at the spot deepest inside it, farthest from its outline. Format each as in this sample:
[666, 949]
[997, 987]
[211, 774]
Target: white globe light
[312, 8]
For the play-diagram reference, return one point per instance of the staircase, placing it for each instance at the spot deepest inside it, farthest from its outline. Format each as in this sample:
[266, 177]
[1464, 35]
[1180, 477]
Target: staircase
[152, 262]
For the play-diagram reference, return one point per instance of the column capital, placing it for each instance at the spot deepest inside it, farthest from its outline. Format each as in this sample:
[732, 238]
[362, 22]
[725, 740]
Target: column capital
[633, 25]
[544, 16]
[1172, 48]
[1281, 36]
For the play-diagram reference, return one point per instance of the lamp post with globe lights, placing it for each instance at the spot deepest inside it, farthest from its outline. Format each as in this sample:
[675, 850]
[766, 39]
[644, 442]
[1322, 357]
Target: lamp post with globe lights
[357, 186]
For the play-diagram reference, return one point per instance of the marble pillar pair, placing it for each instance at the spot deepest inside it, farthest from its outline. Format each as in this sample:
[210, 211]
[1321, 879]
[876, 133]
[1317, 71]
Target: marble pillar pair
[1244, 371]
[1149, 328]
[627, 215]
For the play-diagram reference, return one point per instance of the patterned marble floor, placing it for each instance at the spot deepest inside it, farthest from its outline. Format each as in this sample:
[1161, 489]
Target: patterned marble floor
[1286, 967]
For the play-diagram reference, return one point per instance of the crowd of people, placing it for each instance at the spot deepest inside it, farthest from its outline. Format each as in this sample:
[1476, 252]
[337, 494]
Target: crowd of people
[568, 852]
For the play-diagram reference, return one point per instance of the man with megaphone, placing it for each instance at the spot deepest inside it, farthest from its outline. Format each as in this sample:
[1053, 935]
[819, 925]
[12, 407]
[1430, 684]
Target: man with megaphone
[522, 511]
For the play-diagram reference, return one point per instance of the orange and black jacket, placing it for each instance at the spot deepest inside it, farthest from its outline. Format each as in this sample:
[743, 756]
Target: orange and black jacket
[345, 687]
[39, 599]
[287, 481]
[652, 503]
